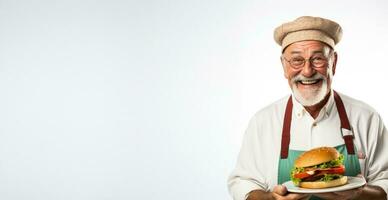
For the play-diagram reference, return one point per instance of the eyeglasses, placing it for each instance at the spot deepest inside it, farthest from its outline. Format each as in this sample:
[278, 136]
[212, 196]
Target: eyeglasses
[298, 62]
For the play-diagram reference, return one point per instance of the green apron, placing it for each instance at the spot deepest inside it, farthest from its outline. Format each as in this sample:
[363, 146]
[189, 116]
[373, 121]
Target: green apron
[288, 156]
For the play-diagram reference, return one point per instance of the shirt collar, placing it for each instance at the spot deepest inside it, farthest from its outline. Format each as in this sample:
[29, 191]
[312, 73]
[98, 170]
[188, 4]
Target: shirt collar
[326, 110]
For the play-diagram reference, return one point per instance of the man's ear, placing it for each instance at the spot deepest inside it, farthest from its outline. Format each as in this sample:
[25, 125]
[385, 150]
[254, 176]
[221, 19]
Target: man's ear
[284, 67]
[335, 62]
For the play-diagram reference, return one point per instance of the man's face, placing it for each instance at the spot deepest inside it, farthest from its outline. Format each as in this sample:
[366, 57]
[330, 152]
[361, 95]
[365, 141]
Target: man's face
[311, 81]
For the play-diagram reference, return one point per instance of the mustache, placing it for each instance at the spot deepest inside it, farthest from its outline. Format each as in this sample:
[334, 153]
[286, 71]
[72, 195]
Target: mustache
[300, 77]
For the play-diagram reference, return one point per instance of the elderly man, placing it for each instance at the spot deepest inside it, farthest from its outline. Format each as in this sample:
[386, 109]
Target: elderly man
[313, 116]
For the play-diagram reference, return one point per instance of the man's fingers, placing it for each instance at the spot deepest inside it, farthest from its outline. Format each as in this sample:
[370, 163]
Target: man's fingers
[307, 197]
[280, 190]
[326, 195]
[298, 196]
[349, 193]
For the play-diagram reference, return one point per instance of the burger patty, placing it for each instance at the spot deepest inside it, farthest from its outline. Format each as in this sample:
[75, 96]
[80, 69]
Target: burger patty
[313, 178]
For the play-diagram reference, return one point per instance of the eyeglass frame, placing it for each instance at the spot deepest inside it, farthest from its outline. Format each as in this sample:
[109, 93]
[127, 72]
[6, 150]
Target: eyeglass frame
[310, 61]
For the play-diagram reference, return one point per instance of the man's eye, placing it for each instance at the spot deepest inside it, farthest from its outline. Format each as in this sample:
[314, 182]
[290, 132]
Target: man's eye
[297, 60]
[319, 58]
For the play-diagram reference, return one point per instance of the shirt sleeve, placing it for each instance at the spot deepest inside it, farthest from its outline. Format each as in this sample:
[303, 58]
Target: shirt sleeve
[377, 153]
[247, 175]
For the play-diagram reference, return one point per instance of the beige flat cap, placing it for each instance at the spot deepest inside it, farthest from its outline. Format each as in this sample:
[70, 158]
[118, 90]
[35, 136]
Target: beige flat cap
[308, 28]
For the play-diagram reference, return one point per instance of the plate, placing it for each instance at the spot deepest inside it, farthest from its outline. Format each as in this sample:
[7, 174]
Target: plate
[353, 182]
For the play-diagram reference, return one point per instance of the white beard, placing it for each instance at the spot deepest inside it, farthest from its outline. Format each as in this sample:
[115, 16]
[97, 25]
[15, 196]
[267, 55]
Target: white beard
[313, 96]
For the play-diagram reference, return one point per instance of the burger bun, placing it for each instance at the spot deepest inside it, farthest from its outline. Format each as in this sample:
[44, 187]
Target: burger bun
[324, 184]
[316, 156]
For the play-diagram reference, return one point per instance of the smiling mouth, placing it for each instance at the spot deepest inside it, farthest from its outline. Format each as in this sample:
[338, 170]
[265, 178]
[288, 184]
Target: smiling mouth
[309, 82]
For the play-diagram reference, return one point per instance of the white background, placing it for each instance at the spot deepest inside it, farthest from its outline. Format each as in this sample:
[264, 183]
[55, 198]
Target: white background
[149, 99]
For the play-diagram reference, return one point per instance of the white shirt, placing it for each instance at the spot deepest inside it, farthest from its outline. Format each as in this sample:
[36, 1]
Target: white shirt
[257, 164]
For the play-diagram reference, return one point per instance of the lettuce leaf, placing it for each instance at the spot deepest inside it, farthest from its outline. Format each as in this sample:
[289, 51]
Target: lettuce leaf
[296, 181]
[332, 163]
[329, 177]
[296, 170]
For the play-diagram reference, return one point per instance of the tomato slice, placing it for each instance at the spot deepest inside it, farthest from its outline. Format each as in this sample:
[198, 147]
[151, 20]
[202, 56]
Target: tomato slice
[335, 170]
[302, 175]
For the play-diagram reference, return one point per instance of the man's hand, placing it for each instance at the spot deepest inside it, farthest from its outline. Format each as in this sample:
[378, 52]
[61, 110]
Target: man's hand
[279, 193]
[366, 192]
[343, 195]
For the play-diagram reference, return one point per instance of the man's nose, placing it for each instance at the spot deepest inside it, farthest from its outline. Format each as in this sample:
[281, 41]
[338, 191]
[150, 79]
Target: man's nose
[308, 69]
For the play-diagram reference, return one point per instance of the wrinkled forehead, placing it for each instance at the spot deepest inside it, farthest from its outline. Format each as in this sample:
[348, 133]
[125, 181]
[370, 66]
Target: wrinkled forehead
[307, 47]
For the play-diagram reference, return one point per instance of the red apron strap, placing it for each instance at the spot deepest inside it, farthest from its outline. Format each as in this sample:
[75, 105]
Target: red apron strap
[286, 130]
[348, 136]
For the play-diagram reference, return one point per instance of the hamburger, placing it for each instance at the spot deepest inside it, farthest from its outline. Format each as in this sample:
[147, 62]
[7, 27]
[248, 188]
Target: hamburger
[319, 168]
